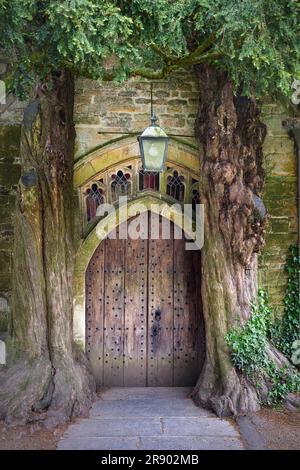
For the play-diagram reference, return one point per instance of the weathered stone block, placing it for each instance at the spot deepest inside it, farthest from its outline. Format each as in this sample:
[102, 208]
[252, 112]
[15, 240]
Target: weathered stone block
[274, 240]
[280, 187]
[177, 120]
[6, 236]
[280, 225]
[87, 119]
[5, 261]
[269, 109]
[118, 121]
[190, 94]
[2, 352]
[283, 164]
[282, 207]
[9, 174]
[9, 143]
[5, 282]
[274, 126]
[127, 93]
[4, 314]
[275, 144]
[7, 208]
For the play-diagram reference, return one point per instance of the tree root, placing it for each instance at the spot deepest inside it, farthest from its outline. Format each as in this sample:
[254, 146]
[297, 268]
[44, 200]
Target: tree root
[235, 396]
[36, 391]
[231, 393]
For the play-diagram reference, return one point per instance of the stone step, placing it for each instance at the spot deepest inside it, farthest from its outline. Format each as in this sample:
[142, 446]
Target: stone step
[157, 407]
[124, 393]
[151, 443]
[150, 419]
[107, 427]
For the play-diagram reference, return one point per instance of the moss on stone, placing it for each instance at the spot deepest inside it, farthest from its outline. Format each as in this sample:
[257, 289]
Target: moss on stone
[9, 142]
[9, 174]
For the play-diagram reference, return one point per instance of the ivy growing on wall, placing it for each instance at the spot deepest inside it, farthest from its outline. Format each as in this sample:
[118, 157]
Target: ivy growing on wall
[284, 331]
[248, 345]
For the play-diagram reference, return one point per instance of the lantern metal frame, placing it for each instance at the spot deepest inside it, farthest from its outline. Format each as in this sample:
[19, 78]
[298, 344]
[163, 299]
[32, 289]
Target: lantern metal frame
[147, 137]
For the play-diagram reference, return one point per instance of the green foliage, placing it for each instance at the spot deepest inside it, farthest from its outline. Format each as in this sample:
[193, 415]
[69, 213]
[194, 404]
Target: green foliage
[284, 381]
[284, 331]
[248, 353]
[45, 36]
[256, 42]
[248, 342]
[95, 38]
[261, 39]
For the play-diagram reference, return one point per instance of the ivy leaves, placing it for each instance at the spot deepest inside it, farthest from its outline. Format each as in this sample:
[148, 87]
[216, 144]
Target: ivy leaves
[248, 345]
[285, 331]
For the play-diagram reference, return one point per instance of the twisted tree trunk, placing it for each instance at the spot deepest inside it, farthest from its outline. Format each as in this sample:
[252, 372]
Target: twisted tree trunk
[230, 130]
[46, 373]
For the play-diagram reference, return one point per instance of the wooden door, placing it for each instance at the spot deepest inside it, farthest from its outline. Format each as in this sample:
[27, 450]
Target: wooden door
[144, 323]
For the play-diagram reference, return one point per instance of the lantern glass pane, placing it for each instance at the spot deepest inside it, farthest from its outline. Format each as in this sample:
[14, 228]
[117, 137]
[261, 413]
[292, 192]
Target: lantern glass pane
[154, 153]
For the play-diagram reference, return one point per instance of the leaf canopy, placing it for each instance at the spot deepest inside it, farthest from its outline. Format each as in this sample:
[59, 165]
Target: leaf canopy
[256, 41]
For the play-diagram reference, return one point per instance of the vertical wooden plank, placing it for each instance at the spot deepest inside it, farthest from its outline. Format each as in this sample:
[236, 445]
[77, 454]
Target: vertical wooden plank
[201, 350]
[135, 338]
[160, 312]
[114, 312]
[186, 315]
[94, 313]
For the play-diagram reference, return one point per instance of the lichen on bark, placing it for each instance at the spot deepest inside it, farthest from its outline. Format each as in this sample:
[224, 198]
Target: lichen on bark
[60, 385]
[231, 133]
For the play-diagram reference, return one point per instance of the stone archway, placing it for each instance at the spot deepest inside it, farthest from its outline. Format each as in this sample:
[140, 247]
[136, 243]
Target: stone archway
[86, 169]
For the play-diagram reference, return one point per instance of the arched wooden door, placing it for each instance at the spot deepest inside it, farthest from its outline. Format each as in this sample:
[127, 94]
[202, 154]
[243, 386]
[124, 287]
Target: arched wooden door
[144, 323]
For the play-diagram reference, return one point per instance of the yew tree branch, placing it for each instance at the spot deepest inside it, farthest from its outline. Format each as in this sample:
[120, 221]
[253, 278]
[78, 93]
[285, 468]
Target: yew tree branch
[199, 55]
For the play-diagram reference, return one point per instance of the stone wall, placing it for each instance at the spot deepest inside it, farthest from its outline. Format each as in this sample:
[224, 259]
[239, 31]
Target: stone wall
[125, 108]
[10, 119]
[280, 197]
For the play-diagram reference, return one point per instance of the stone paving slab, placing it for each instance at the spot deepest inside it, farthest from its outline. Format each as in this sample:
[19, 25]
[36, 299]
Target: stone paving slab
[198, 427]
[125, 427]
[133, 393]
[149, 419]
[189, 443]
[151, 443]
[99, 443]
[147, 408]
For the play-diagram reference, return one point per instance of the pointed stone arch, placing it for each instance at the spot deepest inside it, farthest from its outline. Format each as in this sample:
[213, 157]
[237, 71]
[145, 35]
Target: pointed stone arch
[119, 151]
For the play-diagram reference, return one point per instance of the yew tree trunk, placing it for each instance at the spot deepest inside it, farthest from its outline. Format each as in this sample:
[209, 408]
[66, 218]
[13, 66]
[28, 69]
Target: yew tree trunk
[46, 377]
[230, 130]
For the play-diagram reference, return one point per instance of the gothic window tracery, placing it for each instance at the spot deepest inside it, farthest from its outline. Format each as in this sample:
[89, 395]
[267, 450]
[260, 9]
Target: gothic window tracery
[177, 183]
[175, 186]
[148, 180]
[94, 198]
[120, 184]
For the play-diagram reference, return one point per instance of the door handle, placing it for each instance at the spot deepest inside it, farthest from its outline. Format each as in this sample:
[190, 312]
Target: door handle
[157, 315]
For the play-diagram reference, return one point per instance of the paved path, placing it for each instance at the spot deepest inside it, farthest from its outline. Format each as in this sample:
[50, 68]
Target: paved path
[149, 419]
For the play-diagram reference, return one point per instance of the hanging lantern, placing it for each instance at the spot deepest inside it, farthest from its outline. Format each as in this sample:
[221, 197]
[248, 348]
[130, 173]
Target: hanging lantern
[153, 144]
[153, 147]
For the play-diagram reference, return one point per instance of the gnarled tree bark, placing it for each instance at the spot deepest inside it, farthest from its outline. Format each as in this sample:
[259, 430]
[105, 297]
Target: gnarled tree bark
[46, 373]
[230, 130]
